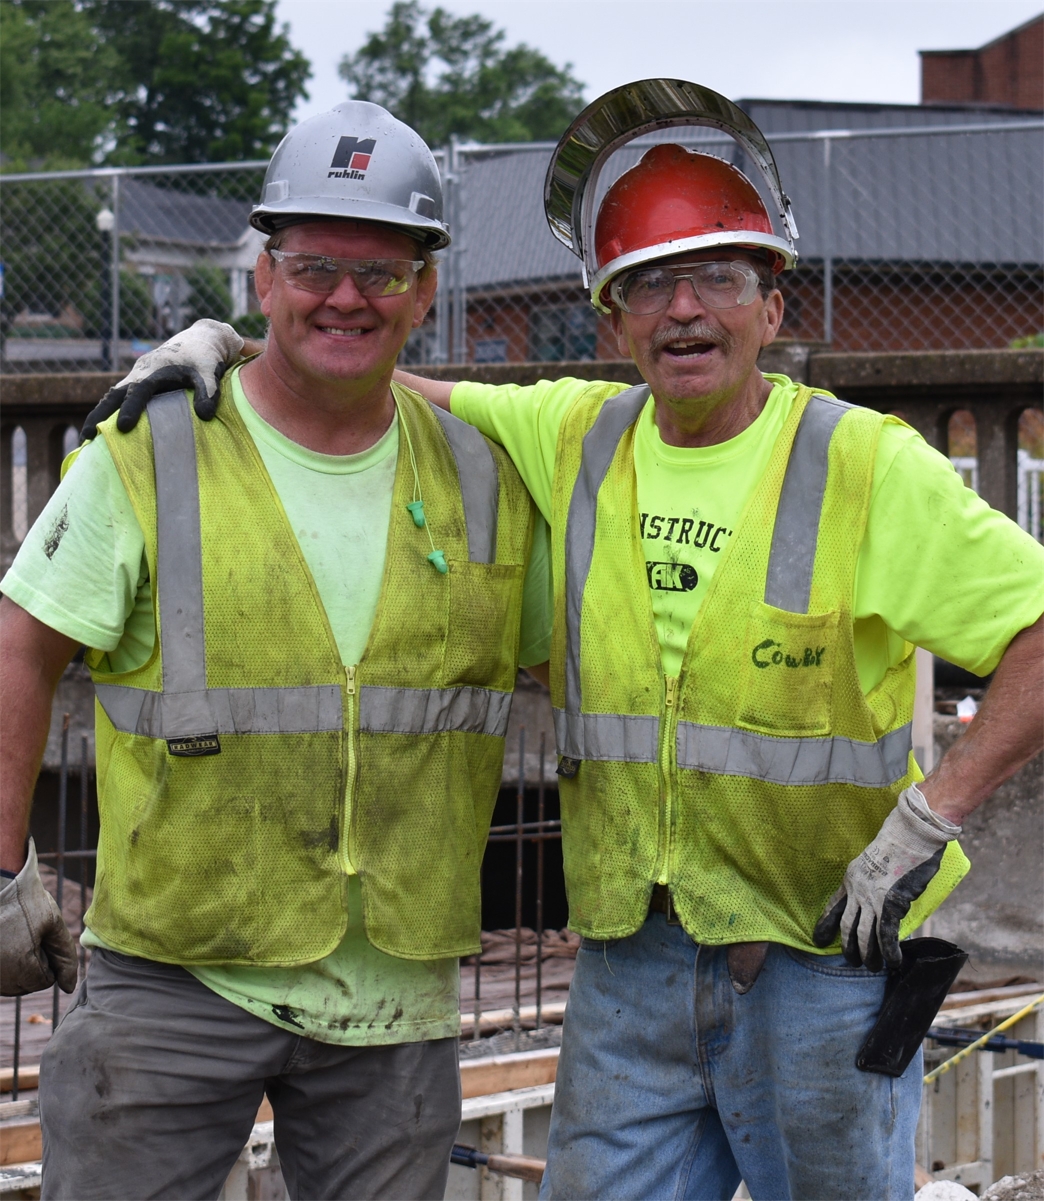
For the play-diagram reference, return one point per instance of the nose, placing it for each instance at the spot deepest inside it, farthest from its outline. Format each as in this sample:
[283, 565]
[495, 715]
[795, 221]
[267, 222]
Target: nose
[685, 303]
[346, 297]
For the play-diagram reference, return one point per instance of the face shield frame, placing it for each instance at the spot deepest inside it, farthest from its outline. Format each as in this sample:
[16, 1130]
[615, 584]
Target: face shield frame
[626, 113]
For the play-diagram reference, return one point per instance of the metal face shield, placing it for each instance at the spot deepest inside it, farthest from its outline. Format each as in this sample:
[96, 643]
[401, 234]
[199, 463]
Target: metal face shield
[624, 114]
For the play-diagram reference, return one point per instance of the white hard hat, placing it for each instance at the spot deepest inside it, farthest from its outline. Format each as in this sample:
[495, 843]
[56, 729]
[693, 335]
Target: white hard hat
[357, 161]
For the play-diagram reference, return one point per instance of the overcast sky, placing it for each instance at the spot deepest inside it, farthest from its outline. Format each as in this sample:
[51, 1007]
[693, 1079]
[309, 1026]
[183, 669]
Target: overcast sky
[788, 49]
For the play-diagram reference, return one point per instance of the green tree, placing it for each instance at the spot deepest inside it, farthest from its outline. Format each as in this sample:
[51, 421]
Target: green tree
[133, 81]
[56, 78]
[452, 75]
[209, 294]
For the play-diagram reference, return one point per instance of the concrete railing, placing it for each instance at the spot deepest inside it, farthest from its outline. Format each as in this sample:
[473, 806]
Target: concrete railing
[926, 388]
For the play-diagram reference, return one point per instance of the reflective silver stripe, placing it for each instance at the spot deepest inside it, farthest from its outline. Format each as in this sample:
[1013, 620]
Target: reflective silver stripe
[463, 710]
[616, 737]
[179, 554]
[788, 583]
[599, 447]
[478, 484]
[303, 710]
[729, 752]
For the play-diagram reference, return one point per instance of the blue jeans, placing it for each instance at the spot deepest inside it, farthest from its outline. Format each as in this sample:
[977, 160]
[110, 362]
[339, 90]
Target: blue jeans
[672, 1085]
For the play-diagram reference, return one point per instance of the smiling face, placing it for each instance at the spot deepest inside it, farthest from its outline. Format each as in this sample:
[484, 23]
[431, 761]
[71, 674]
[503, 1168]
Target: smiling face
[691, 352]
[344, 337]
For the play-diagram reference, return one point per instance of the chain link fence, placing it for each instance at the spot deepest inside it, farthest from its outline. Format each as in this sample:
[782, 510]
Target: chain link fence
[920, 238]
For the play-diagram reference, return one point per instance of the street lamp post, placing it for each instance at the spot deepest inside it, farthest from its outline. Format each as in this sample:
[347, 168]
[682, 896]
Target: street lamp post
[105, 221]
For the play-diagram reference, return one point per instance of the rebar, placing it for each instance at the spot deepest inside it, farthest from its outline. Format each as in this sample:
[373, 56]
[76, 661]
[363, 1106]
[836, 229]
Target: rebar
[83, 847]
[520, 802]
[540, 883]
[63, 798]
[17, 1047]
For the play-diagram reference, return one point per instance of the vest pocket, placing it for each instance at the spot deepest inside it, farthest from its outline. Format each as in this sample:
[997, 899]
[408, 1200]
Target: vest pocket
[485, 605]
[787, 671]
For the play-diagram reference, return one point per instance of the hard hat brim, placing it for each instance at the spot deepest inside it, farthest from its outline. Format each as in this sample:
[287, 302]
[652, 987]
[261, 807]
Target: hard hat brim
[270, 218]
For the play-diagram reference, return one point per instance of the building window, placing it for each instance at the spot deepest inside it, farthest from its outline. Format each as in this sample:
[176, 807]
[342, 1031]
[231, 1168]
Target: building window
[491, 350]
[563, 334]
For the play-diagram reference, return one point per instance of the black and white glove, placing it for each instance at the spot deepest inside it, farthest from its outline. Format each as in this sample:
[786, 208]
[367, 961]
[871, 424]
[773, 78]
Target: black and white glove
[36, 948]
[883, 882]
[196, 358]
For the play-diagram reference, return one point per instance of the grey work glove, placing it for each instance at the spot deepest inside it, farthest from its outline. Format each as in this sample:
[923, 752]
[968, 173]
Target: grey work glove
[35, 947]
[883, 882]
[196, 358]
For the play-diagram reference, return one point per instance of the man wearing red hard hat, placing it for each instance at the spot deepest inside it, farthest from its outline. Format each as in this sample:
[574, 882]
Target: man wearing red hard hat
[742, 570]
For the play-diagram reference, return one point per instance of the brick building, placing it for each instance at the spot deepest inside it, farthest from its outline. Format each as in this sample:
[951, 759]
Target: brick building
[1007, 72]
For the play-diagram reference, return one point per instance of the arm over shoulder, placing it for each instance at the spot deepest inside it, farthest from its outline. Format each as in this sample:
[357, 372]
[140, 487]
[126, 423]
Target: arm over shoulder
[525, 421]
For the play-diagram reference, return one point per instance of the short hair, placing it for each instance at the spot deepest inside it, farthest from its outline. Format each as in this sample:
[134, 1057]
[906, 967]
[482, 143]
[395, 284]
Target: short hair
[275, 242]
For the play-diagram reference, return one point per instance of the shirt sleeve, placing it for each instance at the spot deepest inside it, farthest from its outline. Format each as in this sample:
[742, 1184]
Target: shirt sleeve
[534, 645]
[938, 566]
[81, 565]
[525, 421]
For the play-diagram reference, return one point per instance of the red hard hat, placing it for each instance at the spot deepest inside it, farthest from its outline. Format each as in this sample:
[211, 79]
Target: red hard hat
[676, 200]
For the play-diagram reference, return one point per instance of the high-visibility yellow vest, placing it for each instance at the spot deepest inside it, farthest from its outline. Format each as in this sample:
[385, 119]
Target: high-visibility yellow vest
[750, 781]
[228, 762]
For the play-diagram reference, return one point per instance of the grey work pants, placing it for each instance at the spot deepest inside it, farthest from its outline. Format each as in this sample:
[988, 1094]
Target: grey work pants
[152, 1082]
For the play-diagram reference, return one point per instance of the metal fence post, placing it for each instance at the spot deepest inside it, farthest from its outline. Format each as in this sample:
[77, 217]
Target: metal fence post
[828, 244]
[114, 266]
[457, 250]
[442, 296]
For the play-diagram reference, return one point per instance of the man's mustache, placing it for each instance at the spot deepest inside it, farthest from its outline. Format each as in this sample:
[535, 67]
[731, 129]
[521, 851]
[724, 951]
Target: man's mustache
[694, 331]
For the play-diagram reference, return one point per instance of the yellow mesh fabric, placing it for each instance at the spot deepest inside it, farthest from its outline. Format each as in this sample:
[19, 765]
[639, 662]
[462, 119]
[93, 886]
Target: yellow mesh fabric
[232, 858]
[229, 858]
[747, 860]
[423, 802]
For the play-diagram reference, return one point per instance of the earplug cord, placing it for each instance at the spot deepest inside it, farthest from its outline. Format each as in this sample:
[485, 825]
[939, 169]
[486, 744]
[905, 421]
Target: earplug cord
[437, 558]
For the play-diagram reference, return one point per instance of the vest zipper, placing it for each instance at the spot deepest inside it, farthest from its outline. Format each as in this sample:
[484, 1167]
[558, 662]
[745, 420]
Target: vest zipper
[349, 784]
[667, 774]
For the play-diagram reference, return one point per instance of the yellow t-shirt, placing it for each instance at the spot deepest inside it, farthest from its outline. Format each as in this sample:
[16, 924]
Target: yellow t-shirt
[938, 567]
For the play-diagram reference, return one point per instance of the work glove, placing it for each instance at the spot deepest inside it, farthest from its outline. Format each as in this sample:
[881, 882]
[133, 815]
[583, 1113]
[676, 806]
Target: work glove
[883, 882]
[35, 947]
[196, 358]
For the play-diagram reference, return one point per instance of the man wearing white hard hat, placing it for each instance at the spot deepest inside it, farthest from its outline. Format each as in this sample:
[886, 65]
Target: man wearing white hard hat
[742, 570]
[304, 620]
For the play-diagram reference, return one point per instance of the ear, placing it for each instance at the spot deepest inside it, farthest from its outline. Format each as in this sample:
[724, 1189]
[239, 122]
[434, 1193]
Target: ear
[263, 282]
[773, 317]
[427, 284]
[616, 321]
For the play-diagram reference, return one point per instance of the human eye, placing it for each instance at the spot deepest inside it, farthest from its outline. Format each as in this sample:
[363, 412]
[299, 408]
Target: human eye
[305, 268]
[380, 277]
[646, 283]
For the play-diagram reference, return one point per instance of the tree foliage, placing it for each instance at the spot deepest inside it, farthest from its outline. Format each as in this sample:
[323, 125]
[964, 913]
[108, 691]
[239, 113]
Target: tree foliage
[448, 75]
[134, 81]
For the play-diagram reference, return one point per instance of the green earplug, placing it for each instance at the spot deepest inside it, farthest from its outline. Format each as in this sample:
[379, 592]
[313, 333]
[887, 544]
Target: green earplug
[416, 508]
[437, 559]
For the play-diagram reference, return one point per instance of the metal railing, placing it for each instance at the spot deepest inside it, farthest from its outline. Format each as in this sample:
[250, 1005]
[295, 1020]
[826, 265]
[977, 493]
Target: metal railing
[927, 237]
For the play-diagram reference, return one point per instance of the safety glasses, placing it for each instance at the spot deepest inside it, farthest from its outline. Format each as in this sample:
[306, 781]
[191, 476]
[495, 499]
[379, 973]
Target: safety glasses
[651, 289]
[320, 273]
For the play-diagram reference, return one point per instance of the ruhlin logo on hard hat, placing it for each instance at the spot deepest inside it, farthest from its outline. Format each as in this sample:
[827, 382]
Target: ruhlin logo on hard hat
[351, 158]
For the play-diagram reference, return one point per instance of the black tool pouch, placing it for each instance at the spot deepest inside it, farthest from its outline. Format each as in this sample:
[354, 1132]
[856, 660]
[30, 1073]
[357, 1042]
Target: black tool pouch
[913, 996]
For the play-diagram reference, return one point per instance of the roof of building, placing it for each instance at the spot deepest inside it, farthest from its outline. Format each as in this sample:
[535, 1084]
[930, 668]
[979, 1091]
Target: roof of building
[166, 215]
[941, 198]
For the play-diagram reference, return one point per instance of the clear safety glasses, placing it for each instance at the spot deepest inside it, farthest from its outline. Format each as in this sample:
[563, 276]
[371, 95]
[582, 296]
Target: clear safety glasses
[651, 289]
[322, 274]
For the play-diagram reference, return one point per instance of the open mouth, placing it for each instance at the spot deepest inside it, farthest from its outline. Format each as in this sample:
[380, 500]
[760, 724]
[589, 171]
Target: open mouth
[688, 348]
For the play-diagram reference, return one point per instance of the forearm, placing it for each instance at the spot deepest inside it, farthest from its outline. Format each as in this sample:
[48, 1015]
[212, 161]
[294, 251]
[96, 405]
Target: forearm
[28, 678]
[434, 390]
[1006, 733]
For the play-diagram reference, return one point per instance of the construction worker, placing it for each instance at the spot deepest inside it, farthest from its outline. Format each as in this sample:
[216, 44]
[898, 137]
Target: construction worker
[304, 621]
[742, 570]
